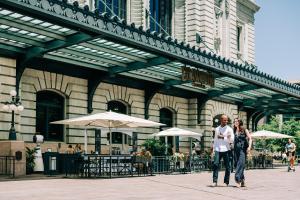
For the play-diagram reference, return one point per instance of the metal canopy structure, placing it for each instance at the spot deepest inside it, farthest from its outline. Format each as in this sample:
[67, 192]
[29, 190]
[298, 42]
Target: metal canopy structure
[45, 31]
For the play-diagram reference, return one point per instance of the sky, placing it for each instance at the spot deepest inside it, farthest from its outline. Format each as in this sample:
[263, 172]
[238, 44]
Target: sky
[277, 38]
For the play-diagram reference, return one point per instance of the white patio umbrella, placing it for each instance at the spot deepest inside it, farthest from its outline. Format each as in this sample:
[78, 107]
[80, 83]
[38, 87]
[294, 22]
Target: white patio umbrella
[263, 134]
[181, 132]
[108, 120]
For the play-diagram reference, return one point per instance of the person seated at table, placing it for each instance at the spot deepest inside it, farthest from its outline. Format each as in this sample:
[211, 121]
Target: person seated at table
[78, 149]
[70, 149]
[148, 155]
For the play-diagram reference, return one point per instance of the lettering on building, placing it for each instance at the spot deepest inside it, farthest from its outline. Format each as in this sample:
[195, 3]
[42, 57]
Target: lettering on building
[198, 78]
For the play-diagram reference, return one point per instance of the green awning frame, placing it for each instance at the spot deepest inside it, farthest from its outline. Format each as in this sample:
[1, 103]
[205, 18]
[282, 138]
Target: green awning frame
[62, 32]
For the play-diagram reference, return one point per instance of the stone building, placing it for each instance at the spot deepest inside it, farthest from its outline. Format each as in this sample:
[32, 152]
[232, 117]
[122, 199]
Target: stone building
[66, 61]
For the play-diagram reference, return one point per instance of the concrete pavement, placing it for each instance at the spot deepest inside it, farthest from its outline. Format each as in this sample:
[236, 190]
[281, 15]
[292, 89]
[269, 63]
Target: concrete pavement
[269, 184]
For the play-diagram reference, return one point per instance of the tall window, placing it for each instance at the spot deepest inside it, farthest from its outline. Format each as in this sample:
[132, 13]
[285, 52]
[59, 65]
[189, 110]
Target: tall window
[239, 39]
[118, 7]
[161, 16]
[119, 107]
[49, 108]
[218, 9]
[166, 117]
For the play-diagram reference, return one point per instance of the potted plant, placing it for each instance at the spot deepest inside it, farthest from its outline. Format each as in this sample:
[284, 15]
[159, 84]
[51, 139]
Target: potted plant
[30, 160]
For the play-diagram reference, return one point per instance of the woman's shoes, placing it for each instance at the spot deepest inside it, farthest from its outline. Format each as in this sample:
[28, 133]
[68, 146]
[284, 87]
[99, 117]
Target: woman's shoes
[243, 183]
[238, 184]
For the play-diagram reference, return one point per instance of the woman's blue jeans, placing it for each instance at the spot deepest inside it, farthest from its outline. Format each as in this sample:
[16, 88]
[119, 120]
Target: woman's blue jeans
[240, 166]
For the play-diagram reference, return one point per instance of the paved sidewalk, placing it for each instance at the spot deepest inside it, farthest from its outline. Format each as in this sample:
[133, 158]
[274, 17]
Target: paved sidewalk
[270, 184]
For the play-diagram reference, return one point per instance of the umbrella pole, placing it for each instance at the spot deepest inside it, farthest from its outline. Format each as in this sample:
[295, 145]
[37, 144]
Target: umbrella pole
[85, 141]
[110, 142]
[110, 150]
[166, 143]
[190, 154]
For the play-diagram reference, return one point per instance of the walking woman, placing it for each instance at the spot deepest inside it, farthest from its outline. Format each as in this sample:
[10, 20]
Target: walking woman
[242, 146]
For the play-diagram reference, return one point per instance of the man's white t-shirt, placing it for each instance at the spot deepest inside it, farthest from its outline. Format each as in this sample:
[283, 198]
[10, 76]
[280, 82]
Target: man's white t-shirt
[223, 145]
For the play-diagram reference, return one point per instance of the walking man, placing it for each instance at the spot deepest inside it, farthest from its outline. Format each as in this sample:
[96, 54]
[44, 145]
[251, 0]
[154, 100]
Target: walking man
[223, 138]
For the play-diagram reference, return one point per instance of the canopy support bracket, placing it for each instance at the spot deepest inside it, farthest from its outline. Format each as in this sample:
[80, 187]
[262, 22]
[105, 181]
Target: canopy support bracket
[93, 83]
[201, 102]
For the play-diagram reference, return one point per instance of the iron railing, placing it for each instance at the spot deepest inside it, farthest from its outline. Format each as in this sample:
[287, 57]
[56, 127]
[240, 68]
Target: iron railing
[104, 166]
[7, 165]
[113, 166]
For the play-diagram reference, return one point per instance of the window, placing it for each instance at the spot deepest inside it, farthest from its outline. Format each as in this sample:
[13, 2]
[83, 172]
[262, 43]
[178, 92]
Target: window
[117, 7]
[117, 138]
[161, 16]
[239, 38]
[119, 107]
[217, 121]
[240, 41]
[166, 117]
[49, 108]
[218, 26]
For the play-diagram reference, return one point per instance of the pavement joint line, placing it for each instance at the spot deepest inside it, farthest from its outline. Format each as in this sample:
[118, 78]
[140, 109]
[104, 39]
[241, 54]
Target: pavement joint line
[196, 189]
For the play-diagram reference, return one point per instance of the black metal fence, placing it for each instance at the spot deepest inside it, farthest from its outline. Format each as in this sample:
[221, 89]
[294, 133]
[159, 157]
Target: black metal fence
[7, 165]
[114, 166]
[94, 166]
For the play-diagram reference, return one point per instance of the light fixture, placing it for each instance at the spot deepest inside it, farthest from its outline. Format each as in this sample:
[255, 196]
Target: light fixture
[20, 108]
[13, 106]
[13, 93]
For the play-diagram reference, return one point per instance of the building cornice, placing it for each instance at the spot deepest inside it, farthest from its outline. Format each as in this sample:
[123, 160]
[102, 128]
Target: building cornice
[250, 4]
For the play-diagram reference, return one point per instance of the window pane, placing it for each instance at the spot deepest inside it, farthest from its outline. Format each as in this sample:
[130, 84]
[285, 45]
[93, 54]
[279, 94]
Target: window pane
[117, 106]
[116, 137]
[161, 16]
[166, 117]
[118, 7]
[50, 107]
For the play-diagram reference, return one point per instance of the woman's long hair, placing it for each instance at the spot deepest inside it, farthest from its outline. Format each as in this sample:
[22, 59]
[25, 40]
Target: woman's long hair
[241, 127]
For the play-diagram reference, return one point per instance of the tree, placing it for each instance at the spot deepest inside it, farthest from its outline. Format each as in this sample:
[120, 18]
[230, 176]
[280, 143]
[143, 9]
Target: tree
[290, 127]
[156, 147]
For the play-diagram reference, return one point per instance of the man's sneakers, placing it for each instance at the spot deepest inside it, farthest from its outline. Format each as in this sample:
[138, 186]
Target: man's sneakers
[216, 185]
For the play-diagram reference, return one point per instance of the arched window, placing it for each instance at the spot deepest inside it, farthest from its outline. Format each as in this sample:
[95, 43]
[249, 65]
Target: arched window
[217, 120]
[49, 108]
[119, 107]
[166, 117]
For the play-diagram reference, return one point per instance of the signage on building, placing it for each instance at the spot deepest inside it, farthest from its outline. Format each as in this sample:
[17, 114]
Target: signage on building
[199, 78]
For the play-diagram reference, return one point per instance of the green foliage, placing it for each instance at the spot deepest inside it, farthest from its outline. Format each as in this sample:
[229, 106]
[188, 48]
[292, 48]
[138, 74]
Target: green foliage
[290, 127]
[30, 160]
[156, 147]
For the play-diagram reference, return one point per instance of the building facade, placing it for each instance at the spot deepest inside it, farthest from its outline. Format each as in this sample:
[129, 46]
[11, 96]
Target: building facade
[222, 27]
